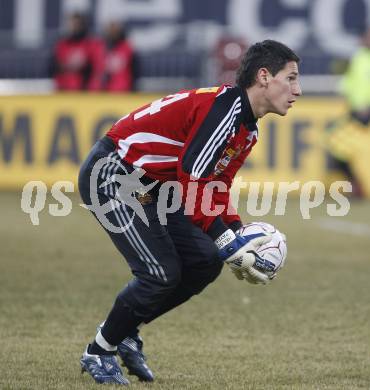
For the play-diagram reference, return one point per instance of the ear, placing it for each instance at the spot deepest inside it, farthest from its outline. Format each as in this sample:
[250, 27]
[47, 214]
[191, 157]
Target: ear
[263, 77]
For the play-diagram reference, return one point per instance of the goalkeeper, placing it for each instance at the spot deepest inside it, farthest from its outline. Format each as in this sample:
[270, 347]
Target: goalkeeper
[193, 137]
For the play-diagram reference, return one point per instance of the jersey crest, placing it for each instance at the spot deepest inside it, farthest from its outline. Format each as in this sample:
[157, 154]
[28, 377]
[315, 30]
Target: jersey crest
[229, 154]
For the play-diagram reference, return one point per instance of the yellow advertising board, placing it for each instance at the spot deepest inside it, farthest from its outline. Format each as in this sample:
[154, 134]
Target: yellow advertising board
[292, 147]
[47, 137]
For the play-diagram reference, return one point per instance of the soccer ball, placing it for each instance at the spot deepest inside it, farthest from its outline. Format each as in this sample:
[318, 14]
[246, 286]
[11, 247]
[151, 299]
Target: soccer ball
[273, 254]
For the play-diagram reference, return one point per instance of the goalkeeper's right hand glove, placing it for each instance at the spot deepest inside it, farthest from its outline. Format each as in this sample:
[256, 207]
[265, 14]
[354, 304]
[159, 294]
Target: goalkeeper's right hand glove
[239, 253]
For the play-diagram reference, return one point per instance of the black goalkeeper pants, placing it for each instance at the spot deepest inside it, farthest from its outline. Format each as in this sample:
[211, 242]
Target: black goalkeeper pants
[170, 263]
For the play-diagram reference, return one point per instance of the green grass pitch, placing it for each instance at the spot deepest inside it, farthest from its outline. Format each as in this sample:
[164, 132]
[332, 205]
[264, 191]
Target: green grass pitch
[308, 330]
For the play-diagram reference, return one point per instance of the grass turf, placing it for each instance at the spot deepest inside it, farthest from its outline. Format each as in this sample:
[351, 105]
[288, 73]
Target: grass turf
[308, 330]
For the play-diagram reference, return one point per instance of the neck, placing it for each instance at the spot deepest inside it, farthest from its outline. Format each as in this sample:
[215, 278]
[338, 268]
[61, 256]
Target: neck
[259, 106]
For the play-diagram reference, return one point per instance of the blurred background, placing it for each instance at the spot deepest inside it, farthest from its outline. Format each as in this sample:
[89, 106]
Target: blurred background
[177, 42]
[60, 59]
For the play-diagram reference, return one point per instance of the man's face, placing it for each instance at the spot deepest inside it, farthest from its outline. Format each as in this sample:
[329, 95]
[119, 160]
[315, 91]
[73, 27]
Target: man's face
[283, 89]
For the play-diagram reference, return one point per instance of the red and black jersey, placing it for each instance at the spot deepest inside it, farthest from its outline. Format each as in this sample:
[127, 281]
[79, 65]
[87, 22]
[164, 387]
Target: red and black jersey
[201, 135]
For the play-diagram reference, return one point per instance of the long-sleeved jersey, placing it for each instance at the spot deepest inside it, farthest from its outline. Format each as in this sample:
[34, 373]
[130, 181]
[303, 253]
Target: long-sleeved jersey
[194, 137]
[75, 63]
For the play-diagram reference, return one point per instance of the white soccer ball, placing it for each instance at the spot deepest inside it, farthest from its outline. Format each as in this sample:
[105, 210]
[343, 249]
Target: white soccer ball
[273, 253]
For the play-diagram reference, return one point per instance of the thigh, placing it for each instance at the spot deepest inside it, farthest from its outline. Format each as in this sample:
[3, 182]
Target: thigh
[148, 248]
[194, 246]
[201, 264]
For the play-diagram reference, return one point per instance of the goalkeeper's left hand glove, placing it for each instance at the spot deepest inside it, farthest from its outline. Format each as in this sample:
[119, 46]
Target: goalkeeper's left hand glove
[259, 267]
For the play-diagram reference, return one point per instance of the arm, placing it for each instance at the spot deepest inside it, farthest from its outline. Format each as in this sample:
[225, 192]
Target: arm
[203, 150]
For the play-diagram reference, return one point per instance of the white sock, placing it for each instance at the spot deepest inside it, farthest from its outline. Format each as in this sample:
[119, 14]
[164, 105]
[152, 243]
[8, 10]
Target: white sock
[103, 343]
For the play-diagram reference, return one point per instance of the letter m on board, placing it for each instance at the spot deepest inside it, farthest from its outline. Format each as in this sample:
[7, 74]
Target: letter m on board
[17, 136]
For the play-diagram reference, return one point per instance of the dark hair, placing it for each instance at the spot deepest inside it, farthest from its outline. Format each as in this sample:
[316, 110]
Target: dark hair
[268, 54]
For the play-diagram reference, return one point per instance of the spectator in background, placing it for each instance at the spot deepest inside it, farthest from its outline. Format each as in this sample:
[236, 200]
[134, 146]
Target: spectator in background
[76, 57]
[117, 68]
[355, 84]
[348, 140]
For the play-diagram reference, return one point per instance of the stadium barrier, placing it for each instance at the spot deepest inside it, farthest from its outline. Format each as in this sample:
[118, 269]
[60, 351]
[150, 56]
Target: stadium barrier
[47, 137]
